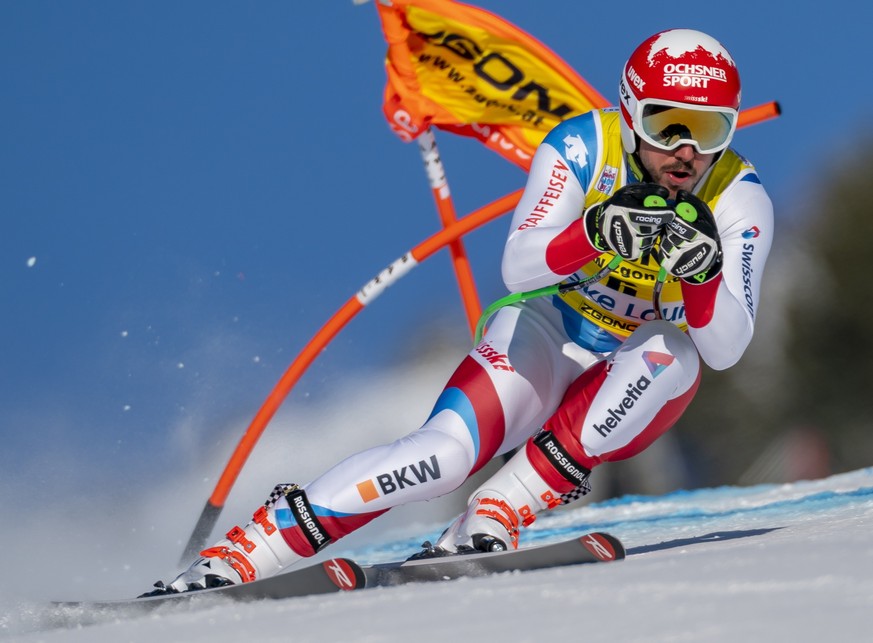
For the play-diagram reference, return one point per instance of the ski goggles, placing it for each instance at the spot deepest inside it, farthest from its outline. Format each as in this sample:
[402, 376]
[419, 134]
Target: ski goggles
[668, 125]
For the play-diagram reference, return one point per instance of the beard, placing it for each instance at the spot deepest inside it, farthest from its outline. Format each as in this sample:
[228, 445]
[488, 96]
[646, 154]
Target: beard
[678, 168]
[675, 175]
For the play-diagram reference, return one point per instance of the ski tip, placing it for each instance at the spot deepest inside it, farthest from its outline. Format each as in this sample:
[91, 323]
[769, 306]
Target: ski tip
[346, 574]
[603, 546]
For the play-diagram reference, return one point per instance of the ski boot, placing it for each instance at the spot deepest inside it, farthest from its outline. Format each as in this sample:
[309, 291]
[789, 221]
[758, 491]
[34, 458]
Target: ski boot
[489, 524]
[248, 553]
[509, 500]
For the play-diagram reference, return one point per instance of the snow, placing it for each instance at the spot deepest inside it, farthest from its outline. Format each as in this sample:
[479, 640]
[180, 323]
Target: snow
[790, 562]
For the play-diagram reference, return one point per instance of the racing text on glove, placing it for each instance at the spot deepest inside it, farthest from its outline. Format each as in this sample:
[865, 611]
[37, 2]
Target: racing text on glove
[629, 222]
[690, 247]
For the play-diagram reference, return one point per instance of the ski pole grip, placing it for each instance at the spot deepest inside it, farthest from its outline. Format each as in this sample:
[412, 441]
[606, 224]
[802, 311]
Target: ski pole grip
[654, 201]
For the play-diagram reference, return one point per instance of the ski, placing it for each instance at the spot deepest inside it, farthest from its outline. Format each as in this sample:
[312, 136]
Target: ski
[334, 575]
[339, 574]
[590, 548]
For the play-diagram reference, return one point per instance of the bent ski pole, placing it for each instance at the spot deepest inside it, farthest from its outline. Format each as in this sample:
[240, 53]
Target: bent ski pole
[656, 292]
[556, 289]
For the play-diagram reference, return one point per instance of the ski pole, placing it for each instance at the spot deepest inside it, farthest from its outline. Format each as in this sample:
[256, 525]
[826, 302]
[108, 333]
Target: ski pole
[688, 212]
[656, 292]
[556, 289]
[652, 201]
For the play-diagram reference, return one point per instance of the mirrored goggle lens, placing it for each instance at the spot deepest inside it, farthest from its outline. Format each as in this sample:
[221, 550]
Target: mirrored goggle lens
[669, 127]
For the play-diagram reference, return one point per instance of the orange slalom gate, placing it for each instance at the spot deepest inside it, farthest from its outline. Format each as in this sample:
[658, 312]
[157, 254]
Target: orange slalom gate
[320, 340]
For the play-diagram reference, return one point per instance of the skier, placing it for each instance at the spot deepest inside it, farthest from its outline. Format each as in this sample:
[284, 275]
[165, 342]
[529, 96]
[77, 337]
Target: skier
[577, 379]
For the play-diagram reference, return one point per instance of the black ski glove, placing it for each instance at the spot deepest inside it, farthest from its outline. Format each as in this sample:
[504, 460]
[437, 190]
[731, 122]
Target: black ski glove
[629, 222]
[690, 247]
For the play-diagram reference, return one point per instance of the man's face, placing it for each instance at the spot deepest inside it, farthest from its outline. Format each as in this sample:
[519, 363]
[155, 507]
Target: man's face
[678, 169]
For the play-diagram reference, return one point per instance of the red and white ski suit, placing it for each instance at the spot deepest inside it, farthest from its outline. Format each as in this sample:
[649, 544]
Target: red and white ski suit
[596, 367]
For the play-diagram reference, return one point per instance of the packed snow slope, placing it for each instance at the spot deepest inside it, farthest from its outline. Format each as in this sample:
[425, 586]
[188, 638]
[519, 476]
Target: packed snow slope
[789, 562]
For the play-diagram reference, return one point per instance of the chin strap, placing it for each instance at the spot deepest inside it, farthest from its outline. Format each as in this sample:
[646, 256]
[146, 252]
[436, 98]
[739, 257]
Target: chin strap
[636, 166]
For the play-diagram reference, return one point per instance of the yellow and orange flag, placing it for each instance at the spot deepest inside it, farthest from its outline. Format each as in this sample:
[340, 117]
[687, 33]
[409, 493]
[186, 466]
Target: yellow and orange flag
[463, 69]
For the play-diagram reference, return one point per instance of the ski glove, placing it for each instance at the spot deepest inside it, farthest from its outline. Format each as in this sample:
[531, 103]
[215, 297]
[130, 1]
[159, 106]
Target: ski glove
[629, 222]
[690, 246]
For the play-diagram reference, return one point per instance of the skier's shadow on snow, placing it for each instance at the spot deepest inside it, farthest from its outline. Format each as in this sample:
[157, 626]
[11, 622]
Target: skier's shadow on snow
[708, 538]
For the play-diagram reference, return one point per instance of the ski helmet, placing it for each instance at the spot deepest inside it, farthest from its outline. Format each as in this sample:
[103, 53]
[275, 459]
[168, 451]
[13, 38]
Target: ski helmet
[679, 87]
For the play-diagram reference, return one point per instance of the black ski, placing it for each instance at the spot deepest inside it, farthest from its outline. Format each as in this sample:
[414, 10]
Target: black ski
[590, 548]
[334, 575]
[339, 574]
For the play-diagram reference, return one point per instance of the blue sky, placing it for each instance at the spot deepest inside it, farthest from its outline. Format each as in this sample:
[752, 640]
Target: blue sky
[189, 190]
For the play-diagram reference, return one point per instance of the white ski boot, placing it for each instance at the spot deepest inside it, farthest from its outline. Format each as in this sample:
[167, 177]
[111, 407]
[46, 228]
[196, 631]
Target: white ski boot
[497, 510]
[245, 554]
[489, 524]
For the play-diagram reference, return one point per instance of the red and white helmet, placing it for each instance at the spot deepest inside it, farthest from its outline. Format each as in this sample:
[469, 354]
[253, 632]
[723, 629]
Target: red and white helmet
[679, 87]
